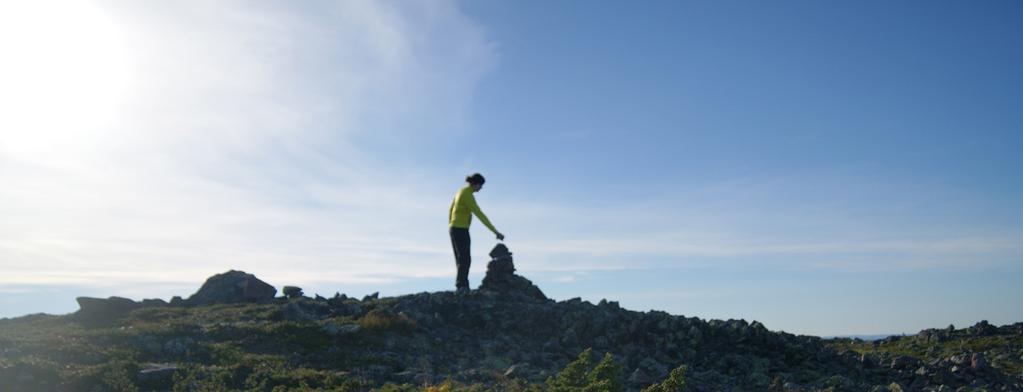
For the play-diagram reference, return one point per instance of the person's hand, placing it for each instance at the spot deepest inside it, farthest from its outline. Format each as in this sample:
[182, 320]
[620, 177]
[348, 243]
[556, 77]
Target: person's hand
[500, 237]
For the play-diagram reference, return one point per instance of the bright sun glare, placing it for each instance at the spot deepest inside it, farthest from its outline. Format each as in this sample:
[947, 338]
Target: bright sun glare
[63, 73]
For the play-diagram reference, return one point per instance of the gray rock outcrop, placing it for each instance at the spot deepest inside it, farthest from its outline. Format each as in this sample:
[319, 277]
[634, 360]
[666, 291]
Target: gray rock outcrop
[232, 287]
[510, 327]
[100, 309]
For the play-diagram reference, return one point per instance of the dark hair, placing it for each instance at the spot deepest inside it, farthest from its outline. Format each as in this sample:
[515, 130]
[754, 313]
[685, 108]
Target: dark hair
[475, 178]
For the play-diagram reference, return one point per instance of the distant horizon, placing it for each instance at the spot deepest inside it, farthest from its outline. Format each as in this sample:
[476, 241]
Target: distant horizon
[312, 291]
[865, 337]
[823, 168]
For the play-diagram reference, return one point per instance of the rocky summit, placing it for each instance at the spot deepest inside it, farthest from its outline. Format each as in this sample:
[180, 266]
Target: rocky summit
[234, 334]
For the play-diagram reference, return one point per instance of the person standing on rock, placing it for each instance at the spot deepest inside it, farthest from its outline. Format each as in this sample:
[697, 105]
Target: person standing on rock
[463, 207]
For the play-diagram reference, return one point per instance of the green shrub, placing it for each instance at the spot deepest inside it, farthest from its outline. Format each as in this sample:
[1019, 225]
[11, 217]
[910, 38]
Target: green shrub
[573, 376]
[309, 337]
[202, 379]
[676, 382]
[277, 376]
[578, 377]
[606, 376]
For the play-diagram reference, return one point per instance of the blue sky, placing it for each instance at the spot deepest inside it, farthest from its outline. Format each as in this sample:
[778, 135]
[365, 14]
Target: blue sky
[823, 168]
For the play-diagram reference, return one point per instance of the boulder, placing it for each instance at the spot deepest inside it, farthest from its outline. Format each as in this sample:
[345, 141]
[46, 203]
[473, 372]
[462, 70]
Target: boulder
[292, 292]
[905, 362]
[868, 360]
[157, 376]
[977, 361]
[337, 300]
[959, 359]
[99, 309]
[292, 311]
[232, 287]
[501, 277]
[983, 328]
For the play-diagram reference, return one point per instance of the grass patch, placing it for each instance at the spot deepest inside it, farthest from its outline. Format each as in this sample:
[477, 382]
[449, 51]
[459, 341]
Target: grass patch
[379, 320]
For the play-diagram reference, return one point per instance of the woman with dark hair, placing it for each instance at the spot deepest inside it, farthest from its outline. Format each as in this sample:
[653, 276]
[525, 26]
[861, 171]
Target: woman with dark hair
[463, 207]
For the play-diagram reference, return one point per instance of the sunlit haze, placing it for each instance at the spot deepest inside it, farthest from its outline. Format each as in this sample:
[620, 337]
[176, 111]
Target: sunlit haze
[823, 168]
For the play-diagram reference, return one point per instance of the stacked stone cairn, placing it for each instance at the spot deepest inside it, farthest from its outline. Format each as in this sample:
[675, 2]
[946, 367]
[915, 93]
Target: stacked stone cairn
[502, 280]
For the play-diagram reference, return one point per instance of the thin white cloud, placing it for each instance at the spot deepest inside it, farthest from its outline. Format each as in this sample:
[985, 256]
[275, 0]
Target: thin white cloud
[261, 136]
[564, 279]
[240, 142]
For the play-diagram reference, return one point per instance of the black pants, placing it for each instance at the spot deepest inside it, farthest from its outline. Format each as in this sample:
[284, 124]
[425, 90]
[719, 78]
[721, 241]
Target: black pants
[460, 243]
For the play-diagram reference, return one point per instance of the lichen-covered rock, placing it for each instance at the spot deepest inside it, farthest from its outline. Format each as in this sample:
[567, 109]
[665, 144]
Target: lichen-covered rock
[232, 287]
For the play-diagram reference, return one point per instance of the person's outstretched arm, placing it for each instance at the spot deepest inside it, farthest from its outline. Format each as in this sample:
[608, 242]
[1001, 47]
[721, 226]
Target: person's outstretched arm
[483, 217]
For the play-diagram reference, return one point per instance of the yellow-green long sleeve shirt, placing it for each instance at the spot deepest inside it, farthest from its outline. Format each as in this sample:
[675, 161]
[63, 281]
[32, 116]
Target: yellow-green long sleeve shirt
[462, 209]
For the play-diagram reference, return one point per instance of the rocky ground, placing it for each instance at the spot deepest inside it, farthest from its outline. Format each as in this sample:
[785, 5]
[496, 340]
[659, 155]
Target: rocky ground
[234, 334]
[980, 357]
